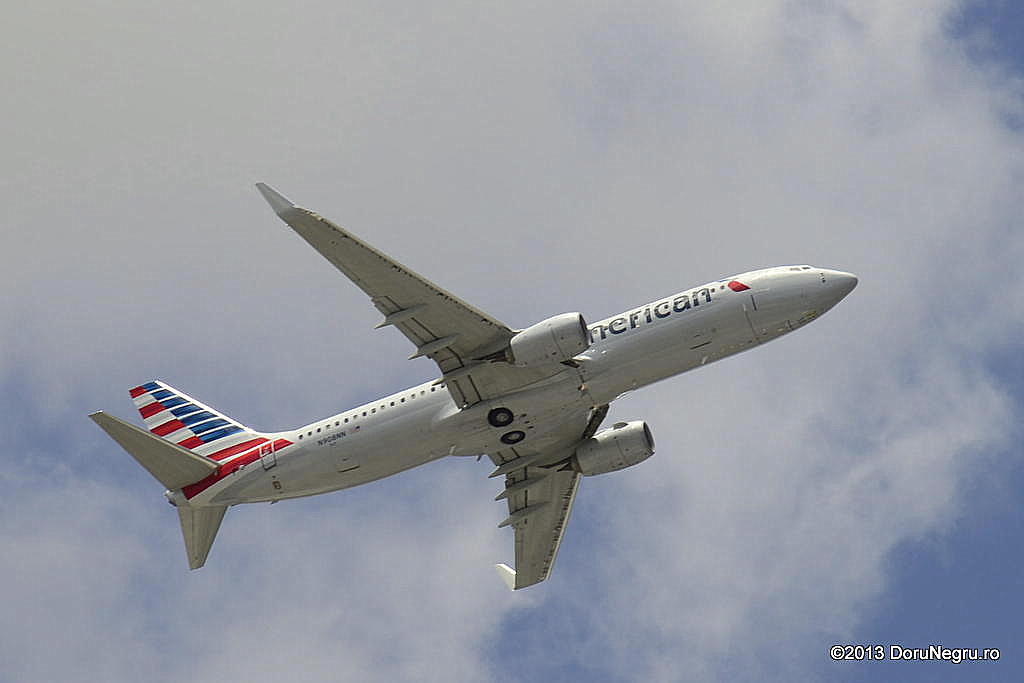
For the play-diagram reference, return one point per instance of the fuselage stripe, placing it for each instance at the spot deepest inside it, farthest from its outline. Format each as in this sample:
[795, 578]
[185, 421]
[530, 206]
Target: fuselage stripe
[227, 469]
[237, 448]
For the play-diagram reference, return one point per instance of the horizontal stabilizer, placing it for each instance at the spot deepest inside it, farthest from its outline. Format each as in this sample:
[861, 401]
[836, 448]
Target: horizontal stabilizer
[199, 527]
[172, 465]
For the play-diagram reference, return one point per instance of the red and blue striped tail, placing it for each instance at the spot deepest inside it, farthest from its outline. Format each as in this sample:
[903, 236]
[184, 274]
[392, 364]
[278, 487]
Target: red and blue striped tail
[181, 419]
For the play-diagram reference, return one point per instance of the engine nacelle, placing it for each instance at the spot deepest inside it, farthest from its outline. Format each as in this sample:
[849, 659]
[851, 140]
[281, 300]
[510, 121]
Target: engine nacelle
[624, 445]
[551, 341]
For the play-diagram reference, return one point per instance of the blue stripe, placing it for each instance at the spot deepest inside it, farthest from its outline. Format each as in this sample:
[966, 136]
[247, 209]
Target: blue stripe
[150, 386]
[198, 417]
[207, 426]
[171, 402]
[213, 436]
[185, 409]
[163, 393]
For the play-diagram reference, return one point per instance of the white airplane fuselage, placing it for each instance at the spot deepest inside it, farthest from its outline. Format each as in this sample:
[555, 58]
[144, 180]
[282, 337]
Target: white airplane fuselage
[628, 351]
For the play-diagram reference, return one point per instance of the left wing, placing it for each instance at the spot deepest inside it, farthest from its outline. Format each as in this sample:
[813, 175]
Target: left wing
[460, 338]
[540, 495]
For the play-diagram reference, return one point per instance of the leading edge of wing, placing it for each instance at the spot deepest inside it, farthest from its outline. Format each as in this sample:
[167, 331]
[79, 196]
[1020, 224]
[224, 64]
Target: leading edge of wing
[392, 286]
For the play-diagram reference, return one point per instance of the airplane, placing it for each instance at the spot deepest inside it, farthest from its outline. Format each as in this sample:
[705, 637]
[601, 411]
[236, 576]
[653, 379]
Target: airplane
[532, 400]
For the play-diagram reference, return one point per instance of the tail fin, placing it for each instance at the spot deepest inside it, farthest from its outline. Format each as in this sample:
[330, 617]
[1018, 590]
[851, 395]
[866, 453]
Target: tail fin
[199, 527]
[180, 419]
[174, 467]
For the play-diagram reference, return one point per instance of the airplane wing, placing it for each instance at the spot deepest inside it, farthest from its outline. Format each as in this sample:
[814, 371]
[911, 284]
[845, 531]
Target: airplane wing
[540, 498]
[443, 327]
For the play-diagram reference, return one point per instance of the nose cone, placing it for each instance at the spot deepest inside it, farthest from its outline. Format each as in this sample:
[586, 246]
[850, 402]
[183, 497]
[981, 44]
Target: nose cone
[839, 284]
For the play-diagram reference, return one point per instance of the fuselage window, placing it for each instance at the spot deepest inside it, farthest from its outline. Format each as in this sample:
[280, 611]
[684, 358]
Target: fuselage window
[373, 410]
[317, 430]
[392, 403]
[300, 436]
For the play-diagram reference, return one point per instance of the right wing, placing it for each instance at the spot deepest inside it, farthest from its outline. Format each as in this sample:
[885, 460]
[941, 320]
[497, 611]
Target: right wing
[540, 498]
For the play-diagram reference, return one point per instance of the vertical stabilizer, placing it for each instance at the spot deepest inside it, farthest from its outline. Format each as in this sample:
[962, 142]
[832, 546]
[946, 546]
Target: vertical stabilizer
[182, 420]
[199, 526]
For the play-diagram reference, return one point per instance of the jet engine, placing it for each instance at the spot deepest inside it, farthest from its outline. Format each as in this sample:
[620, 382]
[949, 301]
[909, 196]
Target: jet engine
[624, 445]
[550, 341]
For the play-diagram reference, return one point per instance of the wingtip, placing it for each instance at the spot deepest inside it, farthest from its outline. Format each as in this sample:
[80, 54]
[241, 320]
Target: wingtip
[278, 202]
[507, 574]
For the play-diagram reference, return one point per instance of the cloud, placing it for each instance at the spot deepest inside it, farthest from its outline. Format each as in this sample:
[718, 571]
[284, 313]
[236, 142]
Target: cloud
[533, 160]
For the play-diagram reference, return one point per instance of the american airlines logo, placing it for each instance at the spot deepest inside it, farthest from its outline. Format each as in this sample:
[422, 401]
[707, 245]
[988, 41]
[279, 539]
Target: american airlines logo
[660, 310]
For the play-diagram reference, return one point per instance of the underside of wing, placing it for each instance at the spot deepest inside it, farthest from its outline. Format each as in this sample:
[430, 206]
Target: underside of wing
[540, 489]
[460, 338]
[540, 523]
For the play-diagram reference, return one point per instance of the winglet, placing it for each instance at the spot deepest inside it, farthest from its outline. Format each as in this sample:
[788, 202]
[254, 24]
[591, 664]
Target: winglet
[278, 202]
[507, 574]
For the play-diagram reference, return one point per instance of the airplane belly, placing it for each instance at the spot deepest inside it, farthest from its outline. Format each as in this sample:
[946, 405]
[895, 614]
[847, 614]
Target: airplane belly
[536, 410]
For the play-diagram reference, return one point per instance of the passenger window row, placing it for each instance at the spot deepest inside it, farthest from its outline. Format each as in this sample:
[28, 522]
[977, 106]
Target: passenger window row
[372, 411]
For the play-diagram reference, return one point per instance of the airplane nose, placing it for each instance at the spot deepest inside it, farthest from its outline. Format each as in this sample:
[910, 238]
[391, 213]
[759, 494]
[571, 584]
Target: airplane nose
[839, 284]
[845, 282]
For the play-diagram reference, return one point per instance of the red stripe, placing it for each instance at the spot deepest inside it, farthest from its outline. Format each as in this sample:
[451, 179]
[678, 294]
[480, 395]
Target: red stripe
[737, 286]
[151, 409]
[237, 448]
[136, 392]
[191, 442]
[167, 427]
[227, 469]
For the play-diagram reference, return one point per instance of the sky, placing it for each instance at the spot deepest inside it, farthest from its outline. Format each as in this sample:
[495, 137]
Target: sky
[857, 482]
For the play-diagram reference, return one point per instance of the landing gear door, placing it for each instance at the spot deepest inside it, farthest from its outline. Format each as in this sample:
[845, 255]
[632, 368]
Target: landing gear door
[267, 455]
